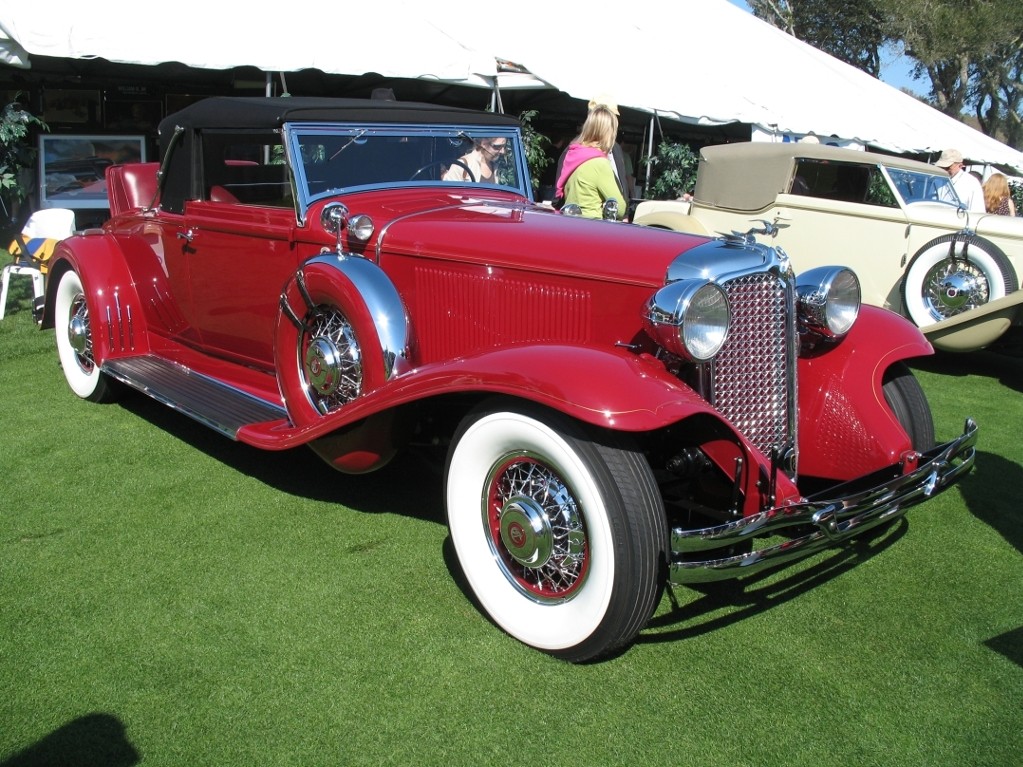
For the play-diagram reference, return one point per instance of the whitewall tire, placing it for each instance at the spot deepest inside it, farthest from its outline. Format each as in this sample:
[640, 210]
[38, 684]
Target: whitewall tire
[561, 538]
[953, 274]
[74, 336]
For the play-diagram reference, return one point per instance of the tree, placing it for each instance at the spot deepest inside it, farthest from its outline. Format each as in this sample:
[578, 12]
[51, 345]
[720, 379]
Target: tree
[853, 31]
[535, 144]
[672, 171]
[997, 94]
[970, 51]
[15, 157]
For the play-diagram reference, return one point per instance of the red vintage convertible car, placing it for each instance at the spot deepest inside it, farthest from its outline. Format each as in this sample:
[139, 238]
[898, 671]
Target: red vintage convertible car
[621, 406]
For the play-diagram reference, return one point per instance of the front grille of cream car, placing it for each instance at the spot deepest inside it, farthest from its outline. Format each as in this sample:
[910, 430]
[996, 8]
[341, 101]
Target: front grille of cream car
[753, 382]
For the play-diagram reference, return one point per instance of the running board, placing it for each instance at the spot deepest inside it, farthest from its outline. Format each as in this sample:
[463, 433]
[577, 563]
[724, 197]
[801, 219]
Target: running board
[209, 401]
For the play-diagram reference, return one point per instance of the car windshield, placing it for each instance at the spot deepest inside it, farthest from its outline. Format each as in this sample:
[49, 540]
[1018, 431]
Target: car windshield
[332, 159]
[916, 186]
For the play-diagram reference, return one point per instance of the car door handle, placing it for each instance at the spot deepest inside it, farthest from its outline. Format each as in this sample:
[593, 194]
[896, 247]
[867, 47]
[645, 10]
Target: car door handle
[186, 236]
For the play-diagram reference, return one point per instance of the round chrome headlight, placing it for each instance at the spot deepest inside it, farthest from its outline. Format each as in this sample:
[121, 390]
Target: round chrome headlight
[689, 318]
[361, 227]
[829, 300]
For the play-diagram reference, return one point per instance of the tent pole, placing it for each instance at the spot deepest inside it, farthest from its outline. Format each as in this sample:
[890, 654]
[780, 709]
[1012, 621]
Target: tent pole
[650, 142]
[495, 98]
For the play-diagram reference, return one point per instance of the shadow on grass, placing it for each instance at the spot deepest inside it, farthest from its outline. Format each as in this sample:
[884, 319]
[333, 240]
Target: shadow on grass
[409, 485]
[1009, 644]
[985, 489]
[1003, 361]
[725, 603]
[94, 740]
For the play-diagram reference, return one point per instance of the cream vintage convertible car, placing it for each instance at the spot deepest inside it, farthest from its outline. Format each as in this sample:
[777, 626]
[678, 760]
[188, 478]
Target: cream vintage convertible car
[896, 222]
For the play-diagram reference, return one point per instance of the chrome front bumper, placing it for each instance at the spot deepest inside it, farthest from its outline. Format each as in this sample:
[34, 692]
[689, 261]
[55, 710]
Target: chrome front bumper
[846, 511]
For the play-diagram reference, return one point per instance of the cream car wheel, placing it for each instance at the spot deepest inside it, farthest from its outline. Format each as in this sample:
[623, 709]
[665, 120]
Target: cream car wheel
[953, 274]
[561, 539]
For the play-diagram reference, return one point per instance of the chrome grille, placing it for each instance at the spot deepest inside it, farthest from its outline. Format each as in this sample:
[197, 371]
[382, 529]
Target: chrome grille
[753, 381]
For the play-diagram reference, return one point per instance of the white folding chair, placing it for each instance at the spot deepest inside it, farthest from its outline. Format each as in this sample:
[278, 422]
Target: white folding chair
[33, 246]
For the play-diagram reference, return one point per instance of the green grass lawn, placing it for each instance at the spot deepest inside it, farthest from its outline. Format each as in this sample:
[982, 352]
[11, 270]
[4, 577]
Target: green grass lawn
[169, 597]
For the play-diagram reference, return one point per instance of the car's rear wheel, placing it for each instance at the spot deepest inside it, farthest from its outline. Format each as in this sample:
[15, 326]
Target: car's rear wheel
[953, 274]
[74, 336]
[906, 398]
[562, 538]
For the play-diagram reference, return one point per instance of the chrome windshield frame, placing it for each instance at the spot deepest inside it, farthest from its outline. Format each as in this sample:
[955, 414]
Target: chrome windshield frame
[941, 184]
[299, 136]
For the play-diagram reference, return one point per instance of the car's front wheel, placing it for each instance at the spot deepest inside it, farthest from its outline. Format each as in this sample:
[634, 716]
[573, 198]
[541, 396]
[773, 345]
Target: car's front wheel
[953, 274]
[74, 335]
[562, 538]
[908, 402]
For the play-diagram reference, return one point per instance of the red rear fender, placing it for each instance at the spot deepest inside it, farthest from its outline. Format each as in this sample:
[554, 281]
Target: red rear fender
[117, 320]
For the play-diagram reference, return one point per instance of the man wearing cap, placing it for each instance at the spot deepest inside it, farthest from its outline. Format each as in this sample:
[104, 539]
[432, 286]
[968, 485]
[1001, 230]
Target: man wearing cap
[967, 187]
[616, 155]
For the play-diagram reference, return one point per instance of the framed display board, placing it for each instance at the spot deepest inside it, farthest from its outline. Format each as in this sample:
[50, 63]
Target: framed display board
[132, 116]
[72, 169]
[70, 107]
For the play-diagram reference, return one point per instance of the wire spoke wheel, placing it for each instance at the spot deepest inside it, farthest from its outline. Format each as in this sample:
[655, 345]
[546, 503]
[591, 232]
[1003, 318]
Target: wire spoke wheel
[331, 359]
[75, 347]
[953, 274]
[536, 529]
[561, 535]
[952, 287]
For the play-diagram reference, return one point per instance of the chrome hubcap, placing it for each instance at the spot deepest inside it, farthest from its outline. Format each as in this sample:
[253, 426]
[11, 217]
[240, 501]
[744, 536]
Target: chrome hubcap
[526, 532]
[79, 334]
[323, 366]
[536, 530]
[953, 287]
[332, 360]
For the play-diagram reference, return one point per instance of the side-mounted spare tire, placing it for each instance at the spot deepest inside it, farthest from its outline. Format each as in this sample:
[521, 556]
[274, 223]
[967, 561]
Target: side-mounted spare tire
[341, 332]
[953, 274]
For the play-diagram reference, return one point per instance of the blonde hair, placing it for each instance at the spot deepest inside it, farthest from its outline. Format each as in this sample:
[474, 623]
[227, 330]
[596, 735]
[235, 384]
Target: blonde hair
[996, 189]
[600, 129]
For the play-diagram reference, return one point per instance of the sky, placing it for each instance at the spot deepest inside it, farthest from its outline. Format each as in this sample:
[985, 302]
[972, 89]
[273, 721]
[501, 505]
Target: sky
[896, 68]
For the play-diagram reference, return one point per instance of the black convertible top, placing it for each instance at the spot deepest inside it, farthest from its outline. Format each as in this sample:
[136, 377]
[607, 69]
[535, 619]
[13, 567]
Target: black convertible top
[272, 112]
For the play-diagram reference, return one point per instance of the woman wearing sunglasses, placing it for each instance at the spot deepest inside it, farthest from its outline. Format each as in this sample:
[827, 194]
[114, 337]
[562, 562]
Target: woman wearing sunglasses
[479, 164]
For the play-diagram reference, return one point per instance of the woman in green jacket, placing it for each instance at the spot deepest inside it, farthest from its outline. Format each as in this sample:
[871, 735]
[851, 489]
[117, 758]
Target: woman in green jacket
[587, 178]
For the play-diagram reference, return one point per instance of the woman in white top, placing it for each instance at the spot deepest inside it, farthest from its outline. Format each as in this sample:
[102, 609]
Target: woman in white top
[479, 162]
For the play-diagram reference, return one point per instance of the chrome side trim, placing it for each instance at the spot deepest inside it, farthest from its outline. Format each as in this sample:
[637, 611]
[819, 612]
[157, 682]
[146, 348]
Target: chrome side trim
[832, 519]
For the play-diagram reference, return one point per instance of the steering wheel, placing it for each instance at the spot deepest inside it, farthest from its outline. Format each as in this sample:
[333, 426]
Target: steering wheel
[442, 163]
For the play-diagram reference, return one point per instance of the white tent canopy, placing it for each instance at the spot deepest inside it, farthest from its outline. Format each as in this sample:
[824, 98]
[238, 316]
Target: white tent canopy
[704, 62]
[709, 62]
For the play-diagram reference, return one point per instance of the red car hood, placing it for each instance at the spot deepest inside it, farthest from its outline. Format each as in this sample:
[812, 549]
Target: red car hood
[519, 235]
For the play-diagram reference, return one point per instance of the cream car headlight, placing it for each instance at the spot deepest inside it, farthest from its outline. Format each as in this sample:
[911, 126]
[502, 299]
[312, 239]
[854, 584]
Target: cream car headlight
[829, 301]
[689, 318]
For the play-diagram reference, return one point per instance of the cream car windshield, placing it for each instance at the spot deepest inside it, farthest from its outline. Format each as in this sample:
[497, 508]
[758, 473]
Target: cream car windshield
[916, 186]
[331, 159]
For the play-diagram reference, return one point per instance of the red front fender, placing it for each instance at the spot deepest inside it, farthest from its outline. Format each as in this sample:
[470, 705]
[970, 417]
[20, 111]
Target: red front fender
[846, 428]
[611, 389]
